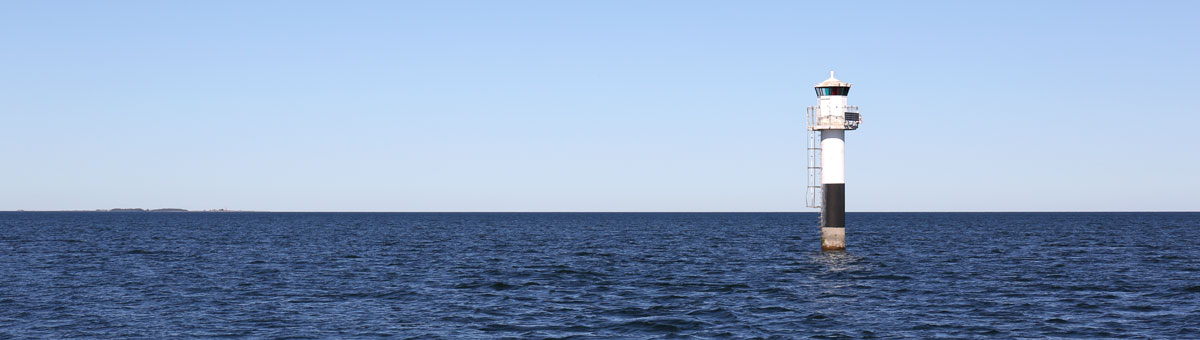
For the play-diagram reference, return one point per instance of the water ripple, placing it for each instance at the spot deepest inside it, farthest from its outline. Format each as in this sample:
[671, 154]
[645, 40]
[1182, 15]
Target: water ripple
[595, 276]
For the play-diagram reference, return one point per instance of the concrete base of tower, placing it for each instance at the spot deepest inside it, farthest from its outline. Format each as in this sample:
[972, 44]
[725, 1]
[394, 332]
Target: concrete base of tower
[833, 239]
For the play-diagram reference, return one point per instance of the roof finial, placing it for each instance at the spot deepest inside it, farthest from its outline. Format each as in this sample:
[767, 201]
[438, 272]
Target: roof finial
[832, 82]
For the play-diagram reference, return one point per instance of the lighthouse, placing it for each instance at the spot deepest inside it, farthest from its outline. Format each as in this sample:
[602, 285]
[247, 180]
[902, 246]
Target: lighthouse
[827, 126]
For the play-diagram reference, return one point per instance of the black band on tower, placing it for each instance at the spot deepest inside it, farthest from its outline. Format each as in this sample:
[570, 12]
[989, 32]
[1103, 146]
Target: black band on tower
[833, 211]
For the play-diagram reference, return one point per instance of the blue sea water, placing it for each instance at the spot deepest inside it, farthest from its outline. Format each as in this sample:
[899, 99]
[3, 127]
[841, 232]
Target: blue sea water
[597, 276]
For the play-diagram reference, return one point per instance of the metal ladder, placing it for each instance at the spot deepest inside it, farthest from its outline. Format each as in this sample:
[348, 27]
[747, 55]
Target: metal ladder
[814, 196]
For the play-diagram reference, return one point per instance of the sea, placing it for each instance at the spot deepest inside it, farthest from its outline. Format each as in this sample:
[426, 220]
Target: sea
[195, 275]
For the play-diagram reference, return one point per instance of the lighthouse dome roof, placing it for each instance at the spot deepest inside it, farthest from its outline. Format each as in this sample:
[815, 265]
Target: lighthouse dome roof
[832, 82]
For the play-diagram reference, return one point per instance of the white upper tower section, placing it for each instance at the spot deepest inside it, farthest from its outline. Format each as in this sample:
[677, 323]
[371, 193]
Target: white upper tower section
[832, 111]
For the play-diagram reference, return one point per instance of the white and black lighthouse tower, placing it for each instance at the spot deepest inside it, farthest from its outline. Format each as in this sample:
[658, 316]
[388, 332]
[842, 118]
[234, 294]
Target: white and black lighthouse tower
[827, 126]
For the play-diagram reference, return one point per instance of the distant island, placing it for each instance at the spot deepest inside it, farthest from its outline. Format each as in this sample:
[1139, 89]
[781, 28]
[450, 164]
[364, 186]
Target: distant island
[147, 210]
[141, 210]
[169, 210]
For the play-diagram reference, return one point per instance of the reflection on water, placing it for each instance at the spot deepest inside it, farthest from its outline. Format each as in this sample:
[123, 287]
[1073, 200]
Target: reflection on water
[838, 261]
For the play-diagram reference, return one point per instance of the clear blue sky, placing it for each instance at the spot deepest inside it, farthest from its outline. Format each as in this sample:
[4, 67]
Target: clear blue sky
[594, 106]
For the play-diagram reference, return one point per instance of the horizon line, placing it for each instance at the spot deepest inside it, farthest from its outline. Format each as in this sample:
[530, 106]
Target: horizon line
[606, 212]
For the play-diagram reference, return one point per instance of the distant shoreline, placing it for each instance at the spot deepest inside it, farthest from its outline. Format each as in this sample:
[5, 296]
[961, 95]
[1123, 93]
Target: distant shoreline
[175, 210]
[136, 210]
